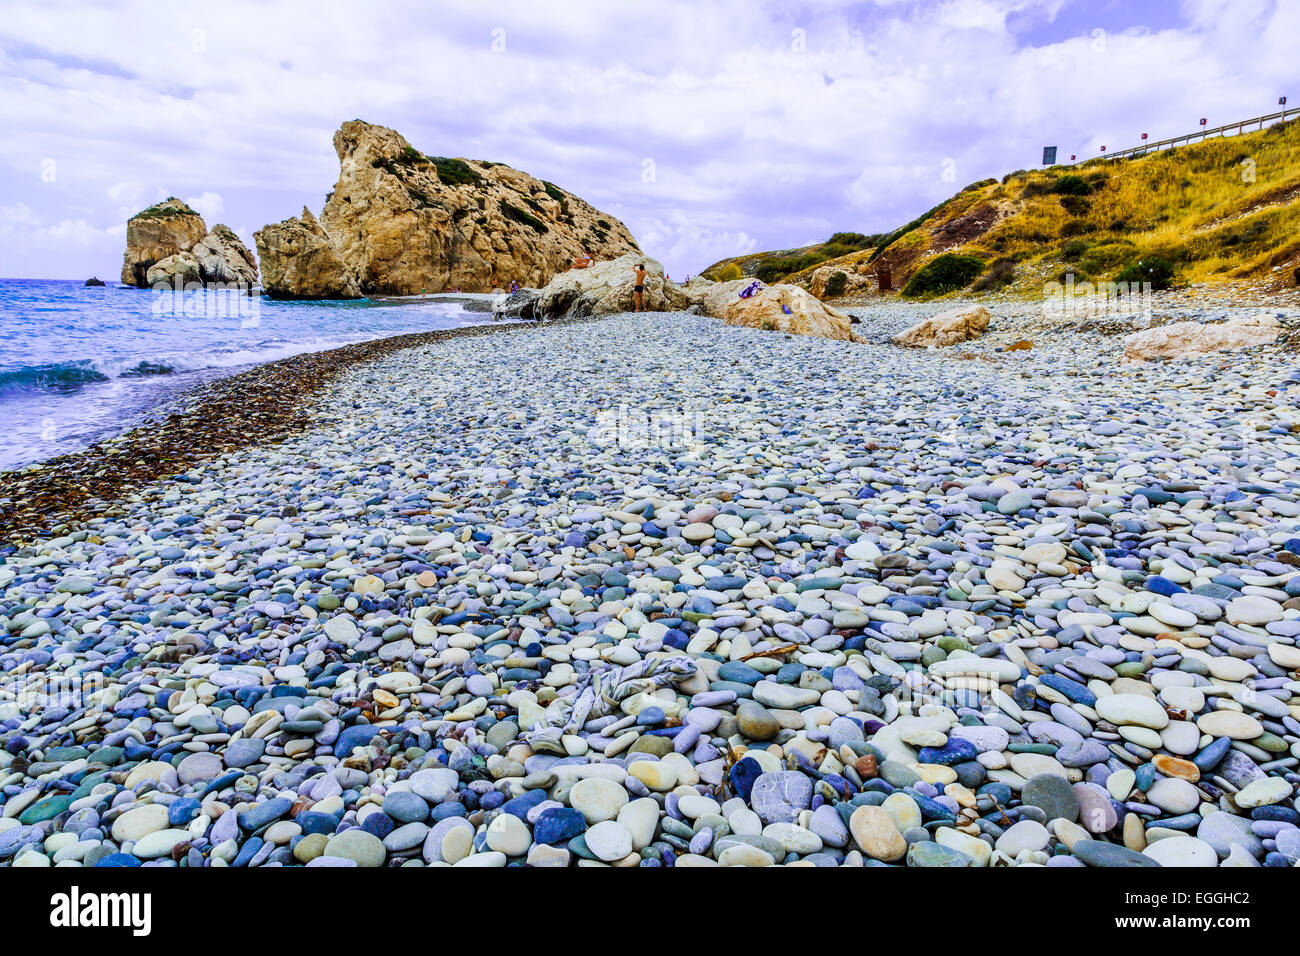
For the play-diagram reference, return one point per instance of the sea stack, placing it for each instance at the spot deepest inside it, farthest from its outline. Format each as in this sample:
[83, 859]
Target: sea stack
[170, 243]
[402, 222]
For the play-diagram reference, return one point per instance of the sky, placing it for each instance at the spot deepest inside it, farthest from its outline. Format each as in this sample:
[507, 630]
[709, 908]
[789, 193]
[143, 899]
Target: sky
[712, 128]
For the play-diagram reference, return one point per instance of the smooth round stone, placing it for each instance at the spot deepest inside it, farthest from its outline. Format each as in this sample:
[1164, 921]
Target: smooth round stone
[1223, 831]
[1262, 792]
[159, 843]
[362, 848]
[609, 840]
[199, 768]
[1173, 616]
[597, 799]
[973, 847]
[779, 796]
[1024, 835]
[1053, 795]
[755, 722]
[1182, 851]
[902, 809]
[434, 784]
[641, 818]
[1099, 853]
[928, 855]
[1096, 812]
[244, 752]
[1174, 795]
[139, 822]
[875, 834]
[741, 854]
[1253, 609]
[1231, 724]
[1122, 709]
[405, 806]
[509, 835]
[658, 775]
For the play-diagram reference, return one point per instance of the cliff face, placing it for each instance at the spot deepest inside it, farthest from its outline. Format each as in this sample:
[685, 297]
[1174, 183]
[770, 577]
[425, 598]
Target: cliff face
[169, 242]
[299, 261]
[403, 222]
[157, 233]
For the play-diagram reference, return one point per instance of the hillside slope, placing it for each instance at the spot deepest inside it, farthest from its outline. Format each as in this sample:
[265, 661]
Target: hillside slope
[1217, 212]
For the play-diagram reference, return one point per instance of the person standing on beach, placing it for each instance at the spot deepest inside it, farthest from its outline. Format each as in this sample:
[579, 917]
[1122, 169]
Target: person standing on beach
[638, 290]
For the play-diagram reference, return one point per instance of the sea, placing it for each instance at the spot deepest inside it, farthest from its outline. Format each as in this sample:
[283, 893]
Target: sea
[82, 363]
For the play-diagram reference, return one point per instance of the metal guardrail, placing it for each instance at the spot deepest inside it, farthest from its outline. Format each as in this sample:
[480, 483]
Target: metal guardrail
[1202, 134]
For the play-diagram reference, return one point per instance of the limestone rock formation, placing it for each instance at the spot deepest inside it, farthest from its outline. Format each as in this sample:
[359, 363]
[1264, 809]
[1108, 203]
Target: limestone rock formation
[168, 242]
[223, 257]
[177, 271]
[606, 288]
[946, 328]
[825, 285]
[403, 222]
[156, 233]
[300, 261]
[520, 304]
[1187, 339]
[766, 309]
[714, 298]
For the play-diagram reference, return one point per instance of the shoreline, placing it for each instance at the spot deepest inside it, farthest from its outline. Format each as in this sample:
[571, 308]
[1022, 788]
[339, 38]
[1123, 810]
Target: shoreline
[259, 406]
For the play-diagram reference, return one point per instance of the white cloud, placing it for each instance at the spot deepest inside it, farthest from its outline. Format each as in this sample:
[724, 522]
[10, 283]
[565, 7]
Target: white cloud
[757, 142]
[210, 206]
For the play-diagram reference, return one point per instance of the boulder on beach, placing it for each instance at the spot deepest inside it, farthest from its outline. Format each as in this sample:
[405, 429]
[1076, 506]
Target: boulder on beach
[1186, 339]
[154, 234]
[825, 283]
[947, 328]
[706, 297]
[403, 222]
[520, 304]
[788, 308]
[606, 288]
[300, 261]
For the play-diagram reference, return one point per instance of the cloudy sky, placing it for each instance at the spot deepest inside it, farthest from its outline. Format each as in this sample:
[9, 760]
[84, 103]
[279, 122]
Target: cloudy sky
[711, 127]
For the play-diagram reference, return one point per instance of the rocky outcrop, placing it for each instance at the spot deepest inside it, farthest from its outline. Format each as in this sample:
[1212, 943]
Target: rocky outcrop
[176, 271]
[169, 243]
[790, 309]
[1188, 339]
[714, 298]
[223, 258]
[156, 233]
[520, 304]
[830, 282]
[606, 288]
[947, 328]
[94, 280]
[403, 222]
[300, 261]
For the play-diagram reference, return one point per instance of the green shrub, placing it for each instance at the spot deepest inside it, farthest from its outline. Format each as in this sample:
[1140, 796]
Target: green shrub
[836, 285]
[554, 191]
[456, 172]
[730, 272]
[1074, 249]
[1153, 269]
[850, 240]
[1075, 227]
[1075, 205]
[1001, 273]
[1071, 185]
[524, 218]
[943, 274]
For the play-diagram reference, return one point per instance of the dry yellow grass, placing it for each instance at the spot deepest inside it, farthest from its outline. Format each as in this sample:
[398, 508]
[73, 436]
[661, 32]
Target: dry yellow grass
[1221, 210]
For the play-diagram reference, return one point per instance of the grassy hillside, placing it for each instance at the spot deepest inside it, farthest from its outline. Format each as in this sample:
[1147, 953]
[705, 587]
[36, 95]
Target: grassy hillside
[1223, 210]
[773, 266]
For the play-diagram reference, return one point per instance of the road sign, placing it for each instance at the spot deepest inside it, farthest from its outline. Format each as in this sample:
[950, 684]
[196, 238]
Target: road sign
[1049, 155]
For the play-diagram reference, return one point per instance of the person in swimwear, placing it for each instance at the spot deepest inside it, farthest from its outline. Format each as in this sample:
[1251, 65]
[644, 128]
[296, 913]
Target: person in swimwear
[638, 290]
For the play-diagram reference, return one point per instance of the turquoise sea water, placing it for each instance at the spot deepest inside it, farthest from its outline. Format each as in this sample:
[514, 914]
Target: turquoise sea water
[78, 363]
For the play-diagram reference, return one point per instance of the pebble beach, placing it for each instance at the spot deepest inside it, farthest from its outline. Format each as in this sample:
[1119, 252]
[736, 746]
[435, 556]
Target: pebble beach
[655, 591]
